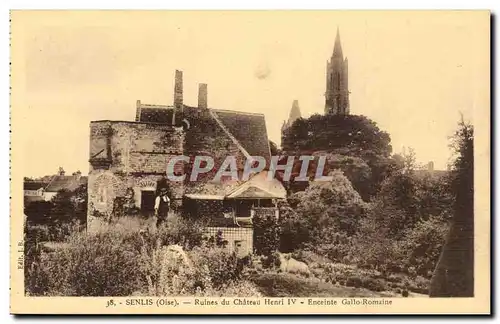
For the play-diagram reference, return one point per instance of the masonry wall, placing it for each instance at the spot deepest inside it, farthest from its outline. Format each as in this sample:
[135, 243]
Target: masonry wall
[129, 155]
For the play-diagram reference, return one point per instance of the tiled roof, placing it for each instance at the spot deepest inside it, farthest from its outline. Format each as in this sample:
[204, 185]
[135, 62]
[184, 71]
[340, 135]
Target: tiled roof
[220, 189]
[65, 182]
[249, 129]
[259, 186]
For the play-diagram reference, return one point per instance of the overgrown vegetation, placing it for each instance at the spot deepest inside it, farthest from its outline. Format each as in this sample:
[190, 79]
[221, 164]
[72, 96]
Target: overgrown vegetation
[379, 226]
[393, 228]
[127, 258]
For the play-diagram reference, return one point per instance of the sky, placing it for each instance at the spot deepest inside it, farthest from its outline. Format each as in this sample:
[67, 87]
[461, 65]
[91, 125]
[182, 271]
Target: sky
[413, 73]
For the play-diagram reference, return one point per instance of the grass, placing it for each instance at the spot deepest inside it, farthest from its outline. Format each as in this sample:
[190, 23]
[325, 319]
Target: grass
[289, 285]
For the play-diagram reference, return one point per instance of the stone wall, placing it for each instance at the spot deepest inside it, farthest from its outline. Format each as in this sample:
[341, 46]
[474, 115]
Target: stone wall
[138, 154]
[129, 144]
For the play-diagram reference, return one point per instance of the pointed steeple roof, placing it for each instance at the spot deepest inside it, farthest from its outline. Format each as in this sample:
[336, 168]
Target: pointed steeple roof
[294, 113]
[337, 49]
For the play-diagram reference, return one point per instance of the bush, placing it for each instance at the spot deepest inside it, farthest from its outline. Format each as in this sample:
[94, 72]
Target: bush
[331, 207]
[422, 245]
[374, 284]
[419, 285]
[294, 231]
[266, 234]
[221, 267]
[93, 265]
[353, 281]
[270, 261]
[121, 259]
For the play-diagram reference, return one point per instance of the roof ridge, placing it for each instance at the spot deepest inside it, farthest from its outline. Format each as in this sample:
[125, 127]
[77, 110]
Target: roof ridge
[143, 105]
[238, 112]
[50, 182]
[231, 136]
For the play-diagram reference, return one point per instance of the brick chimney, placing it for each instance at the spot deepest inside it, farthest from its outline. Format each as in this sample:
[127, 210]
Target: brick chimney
[178, 97]
[202, 96]
[138, 111]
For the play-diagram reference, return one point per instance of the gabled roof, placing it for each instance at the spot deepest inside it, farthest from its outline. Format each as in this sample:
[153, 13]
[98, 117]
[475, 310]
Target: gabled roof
[248, 129]
[60, 182]
[260, 186]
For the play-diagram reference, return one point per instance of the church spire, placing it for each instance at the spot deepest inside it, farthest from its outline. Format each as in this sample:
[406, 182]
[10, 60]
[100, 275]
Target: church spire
[294, 115]
[337, 49]
[295, 112]
[337, 86]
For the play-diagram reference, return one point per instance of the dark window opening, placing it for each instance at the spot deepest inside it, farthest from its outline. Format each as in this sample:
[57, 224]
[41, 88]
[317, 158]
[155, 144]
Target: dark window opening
[148, 202]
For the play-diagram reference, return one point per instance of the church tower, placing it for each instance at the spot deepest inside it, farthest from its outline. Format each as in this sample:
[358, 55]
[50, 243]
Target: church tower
[294, 115]
[337, 87]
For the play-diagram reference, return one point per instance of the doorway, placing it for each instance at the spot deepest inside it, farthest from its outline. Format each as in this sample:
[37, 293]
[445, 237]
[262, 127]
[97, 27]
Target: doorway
[148, 203]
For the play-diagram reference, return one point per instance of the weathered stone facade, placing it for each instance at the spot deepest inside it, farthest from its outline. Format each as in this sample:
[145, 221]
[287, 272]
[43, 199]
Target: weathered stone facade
[128, 163]
[129, 155]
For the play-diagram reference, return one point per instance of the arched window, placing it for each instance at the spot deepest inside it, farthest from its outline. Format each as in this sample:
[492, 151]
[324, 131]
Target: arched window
[102, 194]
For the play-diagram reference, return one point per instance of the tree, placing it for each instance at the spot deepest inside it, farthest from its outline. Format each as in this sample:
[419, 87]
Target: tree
[332, 206]
[38, 212]
[294, 230]
[352, 143]
[274, 148]
[454, 273]
[344, 134]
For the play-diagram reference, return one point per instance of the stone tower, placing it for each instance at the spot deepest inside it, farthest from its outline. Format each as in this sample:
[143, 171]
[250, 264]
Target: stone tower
[337, 86]
[294, 115]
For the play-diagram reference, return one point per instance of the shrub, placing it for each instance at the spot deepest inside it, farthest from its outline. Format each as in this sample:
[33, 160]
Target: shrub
[353, 281]
[271, 261]
[266, 234]
[422, 245]
[93, 265]
[221, 267]
[419, 285]
[118, 260]
[294, 231]
[374, 284]
[332, 206]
